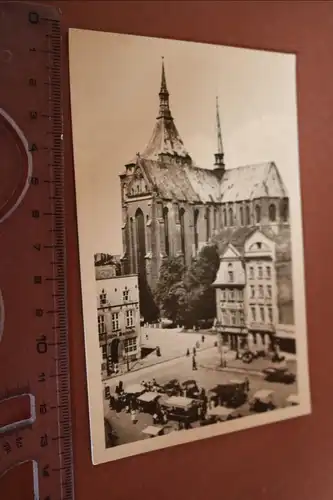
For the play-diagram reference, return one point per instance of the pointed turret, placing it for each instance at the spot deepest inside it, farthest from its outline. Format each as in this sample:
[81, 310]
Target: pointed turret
[165, 141]
[219, 156]
[164, 111]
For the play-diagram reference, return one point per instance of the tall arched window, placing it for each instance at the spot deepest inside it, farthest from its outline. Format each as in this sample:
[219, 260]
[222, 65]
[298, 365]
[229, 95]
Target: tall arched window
[231, 217]
[182, 230]
[195, 227]
[132, 243]
[140, 241]
[247, 216]
[258, 213]
[241, 215]
[166, 230]
[272, 213]
[148, 232]
[284, 211]
[207, 224]
[225, 222]
[215, 219]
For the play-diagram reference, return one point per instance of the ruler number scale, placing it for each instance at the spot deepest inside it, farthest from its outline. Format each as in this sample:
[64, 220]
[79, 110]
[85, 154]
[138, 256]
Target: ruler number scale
[47, 440]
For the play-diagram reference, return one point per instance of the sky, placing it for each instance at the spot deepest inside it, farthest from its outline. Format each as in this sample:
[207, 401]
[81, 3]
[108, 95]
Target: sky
[115, 80]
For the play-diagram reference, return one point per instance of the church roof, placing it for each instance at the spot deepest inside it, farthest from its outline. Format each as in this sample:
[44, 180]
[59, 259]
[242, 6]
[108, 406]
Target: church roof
[174, 175]
[165, 139]
[170, 180]
[205, 183]
[252, 181]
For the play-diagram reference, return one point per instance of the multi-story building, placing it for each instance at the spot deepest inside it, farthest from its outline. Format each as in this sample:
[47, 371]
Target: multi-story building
[118, 313]
[230, 287]
[254, 295]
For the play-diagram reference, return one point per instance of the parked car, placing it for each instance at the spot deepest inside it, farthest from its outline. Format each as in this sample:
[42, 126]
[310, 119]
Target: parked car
[279, 374]
[232, 394]
[172, 388]
[262, 401]
[181, 409]
[191, 388]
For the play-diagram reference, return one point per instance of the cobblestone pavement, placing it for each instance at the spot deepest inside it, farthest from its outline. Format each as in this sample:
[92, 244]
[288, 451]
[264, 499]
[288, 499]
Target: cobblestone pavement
[182, 370]
[173, 344]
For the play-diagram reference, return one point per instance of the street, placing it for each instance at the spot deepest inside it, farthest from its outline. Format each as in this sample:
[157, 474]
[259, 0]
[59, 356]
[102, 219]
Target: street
[181, 369]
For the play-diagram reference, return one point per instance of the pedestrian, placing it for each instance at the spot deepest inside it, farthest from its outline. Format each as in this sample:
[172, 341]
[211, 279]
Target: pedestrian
[202, 338]
[194, 363]
[194, 351]
[133, 416]
[187, 352]
[155, 418]
[247, 384]
[164, 416]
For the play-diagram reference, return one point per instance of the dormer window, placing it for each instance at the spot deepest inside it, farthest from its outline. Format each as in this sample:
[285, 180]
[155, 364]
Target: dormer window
[272, 213]
[230, 274]
[102, 297]
[258, 214]
[284, 211]
[125, 295]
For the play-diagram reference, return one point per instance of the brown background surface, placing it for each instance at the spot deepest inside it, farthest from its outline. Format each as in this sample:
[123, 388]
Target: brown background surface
[293, 459]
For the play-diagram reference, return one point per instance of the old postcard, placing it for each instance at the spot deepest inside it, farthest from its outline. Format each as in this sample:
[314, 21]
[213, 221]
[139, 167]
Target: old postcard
[190, 239]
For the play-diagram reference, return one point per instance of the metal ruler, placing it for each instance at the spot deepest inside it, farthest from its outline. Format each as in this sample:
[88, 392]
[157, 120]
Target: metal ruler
[35, 423]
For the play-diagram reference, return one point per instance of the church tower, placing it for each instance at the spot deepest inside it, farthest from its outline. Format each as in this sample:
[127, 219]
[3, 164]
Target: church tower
[166, 143]
[219, 156]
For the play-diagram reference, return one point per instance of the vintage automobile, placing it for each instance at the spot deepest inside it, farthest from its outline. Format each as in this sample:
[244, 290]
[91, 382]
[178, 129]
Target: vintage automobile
[181, 409]
[232, 394]
[191, 389]
[172, 388]
[148, 402]
[153, 431]
[262, 401]
[292, 400]
[279, 374]
[221, 413]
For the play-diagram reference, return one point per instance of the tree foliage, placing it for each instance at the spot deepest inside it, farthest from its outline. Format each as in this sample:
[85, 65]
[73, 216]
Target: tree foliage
[186, 296]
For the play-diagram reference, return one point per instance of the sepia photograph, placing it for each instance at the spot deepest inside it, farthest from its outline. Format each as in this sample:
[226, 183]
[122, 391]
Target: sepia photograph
[190, 237]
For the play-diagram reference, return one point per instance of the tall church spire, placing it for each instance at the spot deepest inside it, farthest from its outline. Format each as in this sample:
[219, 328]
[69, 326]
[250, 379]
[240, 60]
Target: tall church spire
[219, 156]
[165, 142]
[164, 111]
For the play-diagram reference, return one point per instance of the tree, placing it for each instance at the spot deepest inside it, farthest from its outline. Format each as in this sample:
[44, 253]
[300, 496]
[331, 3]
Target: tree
[185, 296]
[169, 287]
[198, 279]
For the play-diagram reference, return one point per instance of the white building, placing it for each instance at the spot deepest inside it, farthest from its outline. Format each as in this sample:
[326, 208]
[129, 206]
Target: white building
[118, 313]
[254, 298]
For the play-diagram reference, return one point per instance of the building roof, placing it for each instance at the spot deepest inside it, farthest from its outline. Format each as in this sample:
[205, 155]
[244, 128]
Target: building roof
[237, 238]
[165, 139]
[174, 175]
[252, 181]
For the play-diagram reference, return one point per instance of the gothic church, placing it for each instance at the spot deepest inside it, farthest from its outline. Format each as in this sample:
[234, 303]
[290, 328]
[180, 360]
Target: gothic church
[170, 206]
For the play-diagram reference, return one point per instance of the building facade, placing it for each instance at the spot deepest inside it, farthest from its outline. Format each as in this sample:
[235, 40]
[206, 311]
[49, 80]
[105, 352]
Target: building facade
[118, 314]
[172, 207]
[254, 300]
